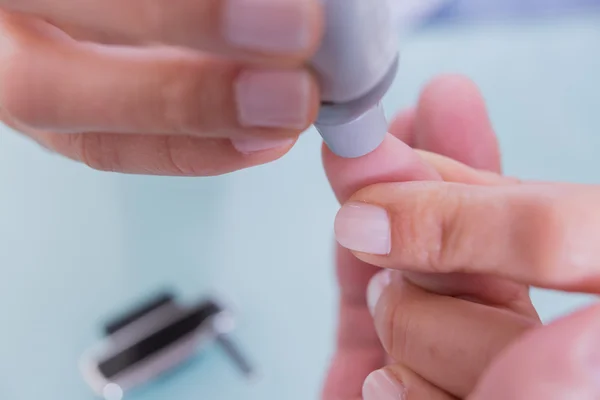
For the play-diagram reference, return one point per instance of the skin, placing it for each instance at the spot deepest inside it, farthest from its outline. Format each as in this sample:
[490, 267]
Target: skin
[110, 84]
[519, 355]
[475, 289]
[449, 128]
[46, 48]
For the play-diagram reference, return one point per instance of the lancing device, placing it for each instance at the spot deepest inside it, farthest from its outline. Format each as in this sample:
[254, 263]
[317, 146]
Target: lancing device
[356, 65]
[153, 338]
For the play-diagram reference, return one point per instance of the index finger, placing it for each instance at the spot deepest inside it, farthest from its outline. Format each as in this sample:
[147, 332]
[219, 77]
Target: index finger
[539, 234]
[282, 31]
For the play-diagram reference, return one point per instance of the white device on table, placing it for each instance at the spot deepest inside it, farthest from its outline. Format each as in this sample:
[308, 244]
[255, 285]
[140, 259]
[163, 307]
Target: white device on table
[356, 65]
[152, 339]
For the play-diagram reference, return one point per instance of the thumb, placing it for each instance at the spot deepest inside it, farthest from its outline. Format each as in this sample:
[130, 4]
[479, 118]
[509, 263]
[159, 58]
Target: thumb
[557, 362]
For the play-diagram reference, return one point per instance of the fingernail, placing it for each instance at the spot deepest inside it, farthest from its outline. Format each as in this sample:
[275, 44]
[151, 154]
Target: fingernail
[381, 385]
[251, 145]
[273, 99]
[364, 228]
[268, 25]
[376, 287]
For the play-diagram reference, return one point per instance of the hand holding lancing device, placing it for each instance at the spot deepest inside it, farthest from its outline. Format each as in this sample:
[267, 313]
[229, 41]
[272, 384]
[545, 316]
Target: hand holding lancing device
[182, 87]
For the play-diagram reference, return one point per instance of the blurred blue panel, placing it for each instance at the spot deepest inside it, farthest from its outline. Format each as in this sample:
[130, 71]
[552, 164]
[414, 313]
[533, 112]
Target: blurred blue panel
[494, 9]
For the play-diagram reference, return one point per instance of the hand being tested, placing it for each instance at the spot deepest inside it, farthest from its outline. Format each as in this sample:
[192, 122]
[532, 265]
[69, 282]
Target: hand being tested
[455, 318]
[449, 119]
[442, 320]
[160, 87]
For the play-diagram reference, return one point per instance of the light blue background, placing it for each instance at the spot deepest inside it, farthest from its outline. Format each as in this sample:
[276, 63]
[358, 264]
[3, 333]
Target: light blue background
[76, 245]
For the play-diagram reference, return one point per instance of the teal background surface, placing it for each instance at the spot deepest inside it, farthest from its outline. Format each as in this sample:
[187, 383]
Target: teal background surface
[77, 245]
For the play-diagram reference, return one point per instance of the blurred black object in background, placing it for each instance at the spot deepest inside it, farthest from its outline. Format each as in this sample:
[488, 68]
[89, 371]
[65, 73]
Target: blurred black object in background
[154, 337]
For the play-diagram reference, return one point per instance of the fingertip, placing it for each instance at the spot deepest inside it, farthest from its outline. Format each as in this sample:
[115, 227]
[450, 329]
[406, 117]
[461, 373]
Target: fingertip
[452, 120]
[393, 161]
[448, 89]
[383, 385]
[398, 382]
[453, 83]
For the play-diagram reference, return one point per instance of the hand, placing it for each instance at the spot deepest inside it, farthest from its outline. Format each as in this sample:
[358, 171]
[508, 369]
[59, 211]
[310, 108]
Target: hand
[160, 87]
[510, 355]
[442, 344]
[450, 119]
[443, 331]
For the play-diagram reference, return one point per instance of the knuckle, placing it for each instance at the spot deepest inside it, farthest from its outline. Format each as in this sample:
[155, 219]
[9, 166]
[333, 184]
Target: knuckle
[184, 159]
[429, 228]
[177, 159]
[400, 331]
[97, 151]
[454, 240]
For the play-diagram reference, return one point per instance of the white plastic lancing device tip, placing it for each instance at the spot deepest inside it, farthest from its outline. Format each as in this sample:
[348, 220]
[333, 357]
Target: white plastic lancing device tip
[357, 137]
[356, 65]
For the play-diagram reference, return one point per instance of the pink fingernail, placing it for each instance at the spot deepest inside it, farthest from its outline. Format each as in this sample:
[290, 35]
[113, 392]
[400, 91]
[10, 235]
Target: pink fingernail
[363, 228]
[273, 99]
[376, 287]
[253, 145]
[381, 385]
[269, 25]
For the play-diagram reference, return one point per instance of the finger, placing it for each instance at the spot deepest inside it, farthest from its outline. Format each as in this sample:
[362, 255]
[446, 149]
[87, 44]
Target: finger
[154, 155]
[452, 120]
[157, 155]
[409, 321]
[286, 31]
[392, 161]
[477, 287]
[84, 34]
[358, 349]
[558, 362]
[398, 382]
[143, 90]
[454, 171]
[480, 288]
[534, 234]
